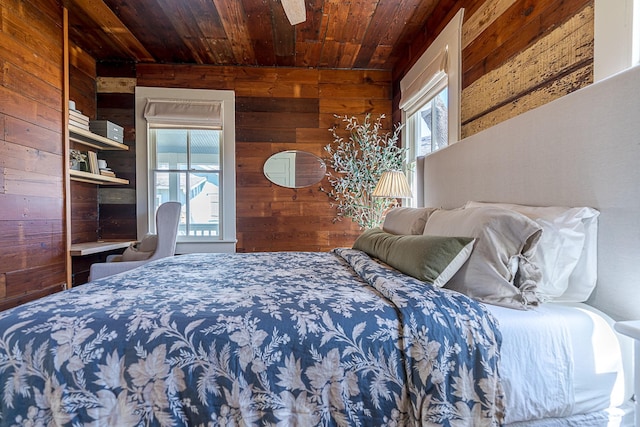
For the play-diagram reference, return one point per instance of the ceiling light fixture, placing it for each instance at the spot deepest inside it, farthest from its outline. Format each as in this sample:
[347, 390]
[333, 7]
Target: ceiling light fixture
[295, 11]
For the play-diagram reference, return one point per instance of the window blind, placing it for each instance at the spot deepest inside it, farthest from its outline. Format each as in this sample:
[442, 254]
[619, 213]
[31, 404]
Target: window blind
[422, 79]
[177, 112]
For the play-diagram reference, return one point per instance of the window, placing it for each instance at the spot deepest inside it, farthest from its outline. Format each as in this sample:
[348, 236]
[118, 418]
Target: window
[187, 141]
[430, 99]
[186, 169]
[429, 125]
[616, 38]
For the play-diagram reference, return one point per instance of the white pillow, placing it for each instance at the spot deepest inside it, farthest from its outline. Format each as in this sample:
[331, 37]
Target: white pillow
[406, 220]
[566, 252]
[584, 277]
[499, 270]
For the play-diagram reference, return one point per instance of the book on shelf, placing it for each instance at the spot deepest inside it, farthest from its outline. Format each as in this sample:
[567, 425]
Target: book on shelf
[93, 162]
[78, 116]
[106, 172]
[77, 119]
[78, 124]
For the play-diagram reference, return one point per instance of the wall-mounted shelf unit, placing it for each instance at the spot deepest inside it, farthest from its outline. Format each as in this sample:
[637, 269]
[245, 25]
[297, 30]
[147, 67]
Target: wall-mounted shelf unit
[94, 178]
[89, 248]
[98, 142]
[90, 139]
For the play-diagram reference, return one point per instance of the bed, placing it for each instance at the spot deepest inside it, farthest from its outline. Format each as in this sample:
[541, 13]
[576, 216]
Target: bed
[250, 339]
[291, 338]
[561, 363]
[580, 150]
[368, 335]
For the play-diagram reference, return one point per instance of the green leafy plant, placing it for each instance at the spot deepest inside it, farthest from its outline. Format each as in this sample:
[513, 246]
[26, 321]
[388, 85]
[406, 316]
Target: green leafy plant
[355, 166]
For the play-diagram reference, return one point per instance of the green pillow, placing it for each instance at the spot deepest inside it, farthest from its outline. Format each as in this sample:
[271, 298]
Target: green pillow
[432, 259]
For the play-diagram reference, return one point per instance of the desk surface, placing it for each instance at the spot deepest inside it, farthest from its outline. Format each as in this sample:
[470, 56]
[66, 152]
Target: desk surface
[88, 248]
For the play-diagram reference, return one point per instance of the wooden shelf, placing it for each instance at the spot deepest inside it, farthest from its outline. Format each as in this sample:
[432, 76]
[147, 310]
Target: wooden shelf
[90, 139]
[94, 178]
[88, 248]
[98, 142]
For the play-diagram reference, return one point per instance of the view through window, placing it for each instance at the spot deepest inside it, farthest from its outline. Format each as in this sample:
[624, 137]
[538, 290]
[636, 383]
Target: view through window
[187, 169]
[430, 125]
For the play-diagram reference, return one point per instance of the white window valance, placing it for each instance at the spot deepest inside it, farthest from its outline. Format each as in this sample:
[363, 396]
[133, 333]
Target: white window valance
[182, 112]
[417, 84]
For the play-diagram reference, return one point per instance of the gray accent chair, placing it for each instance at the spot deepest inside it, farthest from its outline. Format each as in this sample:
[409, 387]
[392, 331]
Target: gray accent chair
[167, 220]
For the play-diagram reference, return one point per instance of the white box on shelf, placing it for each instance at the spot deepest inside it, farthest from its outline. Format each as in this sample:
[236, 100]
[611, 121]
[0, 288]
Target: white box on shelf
[107, 129]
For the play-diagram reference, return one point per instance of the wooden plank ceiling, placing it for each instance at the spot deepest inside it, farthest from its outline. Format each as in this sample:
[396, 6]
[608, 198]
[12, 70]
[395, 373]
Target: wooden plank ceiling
[345, 34]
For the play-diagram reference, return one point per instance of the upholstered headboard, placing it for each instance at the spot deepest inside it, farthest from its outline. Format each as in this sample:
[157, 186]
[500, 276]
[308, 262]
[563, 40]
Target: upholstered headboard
[580, 150]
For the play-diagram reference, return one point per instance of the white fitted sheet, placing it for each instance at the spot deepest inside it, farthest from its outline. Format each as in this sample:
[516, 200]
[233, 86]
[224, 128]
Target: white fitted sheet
[558, 360]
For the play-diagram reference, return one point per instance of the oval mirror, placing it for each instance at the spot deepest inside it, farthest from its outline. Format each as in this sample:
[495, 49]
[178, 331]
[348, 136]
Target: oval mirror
[294, 169]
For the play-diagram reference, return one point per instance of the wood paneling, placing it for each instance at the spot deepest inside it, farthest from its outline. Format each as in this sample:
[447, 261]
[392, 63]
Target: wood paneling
[513, 31]
[283, 109]
[84, 212]
[84, 197]
[517, 55]
[82, 85]
[92, 219]
[116, 103]
[119, 34]
[82, 265]
[30, 243]
[31, 27]
[542, 68]
[32, 227]
[538, 96]
[363, 34]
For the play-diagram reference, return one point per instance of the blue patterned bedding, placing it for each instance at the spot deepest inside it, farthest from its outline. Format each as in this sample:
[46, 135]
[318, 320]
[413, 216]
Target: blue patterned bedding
[261, 339]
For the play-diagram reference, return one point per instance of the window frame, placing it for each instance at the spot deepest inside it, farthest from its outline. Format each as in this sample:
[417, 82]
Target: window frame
[438, 68]
[154, 171]
[226, 240]
[442, 59]
[616, 37]
[410, 141]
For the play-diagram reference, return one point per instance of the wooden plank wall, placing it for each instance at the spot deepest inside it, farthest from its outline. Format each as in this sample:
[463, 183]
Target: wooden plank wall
[32, 212]
[517, 55]
[102, 212]
[282, 109]
[84, 196]
[116, 102]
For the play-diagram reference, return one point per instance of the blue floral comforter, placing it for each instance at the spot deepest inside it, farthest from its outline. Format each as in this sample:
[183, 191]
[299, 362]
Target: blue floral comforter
[261, 339]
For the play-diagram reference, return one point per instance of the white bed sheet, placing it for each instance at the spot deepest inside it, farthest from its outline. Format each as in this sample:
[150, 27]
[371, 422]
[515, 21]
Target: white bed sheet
[558, 360]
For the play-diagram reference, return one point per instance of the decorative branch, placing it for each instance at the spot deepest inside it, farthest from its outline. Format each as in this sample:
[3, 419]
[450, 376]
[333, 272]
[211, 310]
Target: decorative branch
[355, 166]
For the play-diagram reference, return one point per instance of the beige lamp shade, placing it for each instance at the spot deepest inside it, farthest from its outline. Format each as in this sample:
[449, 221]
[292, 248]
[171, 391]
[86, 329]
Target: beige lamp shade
[393, 184]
